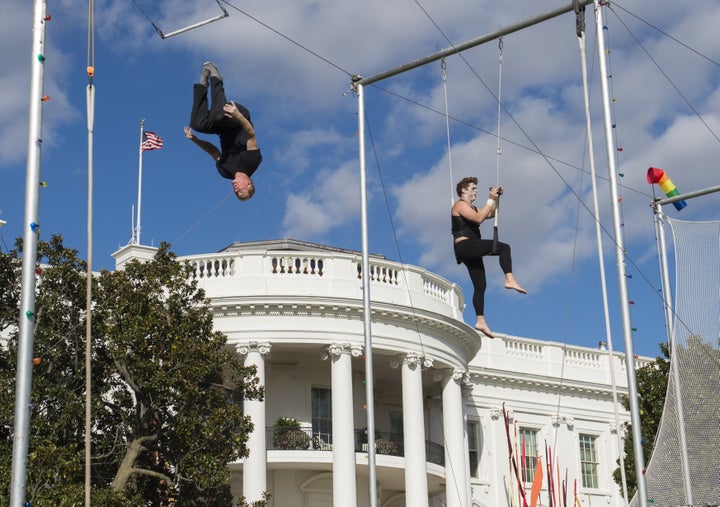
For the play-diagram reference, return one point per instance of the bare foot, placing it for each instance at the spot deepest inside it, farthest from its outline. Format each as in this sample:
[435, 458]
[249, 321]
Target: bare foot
[484, 330]
[516, 286]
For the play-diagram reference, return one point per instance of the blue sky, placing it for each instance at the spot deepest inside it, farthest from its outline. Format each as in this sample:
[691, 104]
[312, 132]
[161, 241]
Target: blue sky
[290, 63]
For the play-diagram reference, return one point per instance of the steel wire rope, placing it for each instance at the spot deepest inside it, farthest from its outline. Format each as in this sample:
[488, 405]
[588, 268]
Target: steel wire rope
[293, 139]
[90, 98]
[288, 38]
[498, 149]
[221, 201]
[506, 140]
[686, 46]
[546, 158]
[580, 27]
[157, 29]
[579, 200]
[404, 271]
[534, 149]
[657, 292]
[665, 75]
[443, 67]
[501, 107]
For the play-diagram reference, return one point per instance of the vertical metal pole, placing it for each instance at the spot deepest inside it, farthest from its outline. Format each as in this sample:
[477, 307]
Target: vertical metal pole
[88, 296]
[601, 261]
[674, 367]
[369, 394]
[620, 256]
[23, 389]
[140, 154]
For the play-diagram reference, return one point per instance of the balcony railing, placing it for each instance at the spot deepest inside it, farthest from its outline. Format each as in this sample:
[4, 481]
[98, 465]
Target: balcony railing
[304, 439]
[331, 274]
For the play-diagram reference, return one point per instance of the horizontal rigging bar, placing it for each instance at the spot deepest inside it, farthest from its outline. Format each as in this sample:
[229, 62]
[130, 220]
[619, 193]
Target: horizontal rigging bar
[467, 45]
[689, 195]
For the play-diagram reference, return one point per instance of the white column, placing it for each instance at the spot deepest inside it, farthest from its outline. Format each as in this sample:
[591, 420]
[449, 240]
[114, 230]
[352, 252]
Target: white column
[456, 474]
[343, 430]
[255, 464]
[467, 395]
[416, 488]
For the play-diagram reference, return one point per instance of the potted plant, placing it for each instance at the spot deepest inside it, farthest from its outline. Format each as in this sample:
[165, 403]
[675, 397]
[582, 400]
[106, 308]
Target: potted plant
[385, 446]
[289, 435]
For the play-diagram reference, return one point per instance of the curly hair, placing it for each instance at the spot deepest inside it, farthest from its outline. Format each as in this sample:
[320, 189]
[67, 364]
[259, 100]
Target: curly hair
[464, 183]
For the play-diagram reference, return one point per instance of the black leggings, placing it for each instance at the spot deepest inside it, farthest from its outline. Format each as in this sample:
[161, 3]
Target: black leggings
[471, 252]
[209, 120]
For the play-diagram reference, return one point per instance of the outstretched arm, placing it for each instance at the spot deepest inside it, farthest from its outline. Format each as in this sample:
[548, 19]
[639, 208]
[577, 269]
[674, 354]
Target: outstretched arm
[231, 111]
[205, 146]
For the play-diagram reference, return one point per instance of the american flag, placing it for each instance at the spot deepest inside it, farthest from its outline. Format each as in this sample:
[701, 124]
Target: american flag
[151, 141]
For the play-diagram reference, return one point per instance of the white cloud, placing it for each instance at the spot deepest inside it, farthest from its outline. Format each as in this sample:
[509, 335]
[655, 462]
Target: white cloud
[332, 200]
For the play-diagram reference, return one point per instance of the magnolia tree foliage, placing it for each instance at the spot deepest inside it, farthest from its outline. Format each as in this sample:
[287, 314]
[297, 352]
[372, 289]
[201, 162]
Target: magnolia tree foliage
[166, 388]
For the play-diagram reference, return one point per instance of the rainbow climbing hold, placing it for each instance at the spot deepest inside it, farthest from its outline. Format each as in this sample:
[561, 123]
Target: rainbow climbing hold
[655, 175]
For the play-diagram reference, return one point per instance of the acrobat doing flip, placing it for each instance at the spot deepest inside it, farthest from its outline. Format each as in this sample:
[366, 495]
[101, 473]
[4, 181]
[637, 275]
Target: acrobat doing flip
[239, 156]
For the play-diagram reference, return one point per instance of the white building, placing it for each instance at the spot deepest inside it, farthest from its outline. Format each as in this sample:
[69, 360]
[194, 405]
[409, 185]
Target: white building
[295, 310]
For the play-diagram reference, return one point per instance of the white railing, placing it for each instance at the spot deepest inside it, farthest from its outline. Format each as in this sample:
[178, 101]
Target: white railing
[324, 274]
[215, 267]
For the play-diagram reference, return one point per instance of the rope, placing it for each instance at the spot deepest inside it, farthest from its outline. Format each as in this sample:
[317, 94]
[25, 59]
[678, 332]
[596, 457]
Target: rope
[159, 32]
[495, 247]
[580, 29]
[443, 66]
[90, 95]
[91, 40]
[697, 114]
[289, 39]
[499, 112]
[411, 303]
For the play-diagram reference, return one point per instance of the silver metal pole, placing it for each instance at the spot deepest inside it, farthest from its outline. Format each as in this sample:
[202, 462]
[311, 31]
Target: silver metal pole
[689, 195]
[469, 44]
[23, 389]
[601, 261]
[196, 25]
[369, 384]
[139, 203]
[620, 256]
[665, 278]
[90, 96]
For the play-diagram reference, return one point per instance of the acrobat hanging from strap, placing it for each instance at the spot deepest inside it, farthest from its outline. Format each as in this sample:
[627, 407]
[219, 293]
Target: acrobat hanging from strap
[239, 156]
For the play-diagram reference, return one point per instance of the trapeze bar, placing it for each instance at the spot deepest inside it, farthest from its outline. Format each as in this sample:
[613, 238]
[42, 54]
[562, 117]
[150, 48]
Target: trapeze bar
[469, 44]
[689, 195]
[196, 25]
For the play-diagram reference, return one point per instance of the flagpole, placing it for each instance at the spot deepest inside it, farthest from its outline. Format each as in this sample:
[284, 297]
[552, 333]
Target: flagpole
[139, 199]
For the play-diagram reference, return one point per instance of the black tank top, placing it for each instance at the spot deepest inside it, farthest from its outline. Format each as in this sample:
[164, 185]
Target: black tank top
[462, 227]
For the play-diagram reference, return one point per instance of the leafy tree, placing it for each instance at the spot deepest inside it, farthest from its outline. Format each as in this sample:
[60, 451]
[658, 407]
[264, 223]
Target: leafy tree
[652, 380]
[165, 387]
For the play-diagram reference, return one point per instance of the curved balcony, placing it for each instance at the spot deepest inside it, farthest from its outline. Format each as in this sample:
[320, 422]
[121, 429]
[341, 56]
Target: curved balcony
[320, 271]
[303, 294]
[302, 449]
[304, 439]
